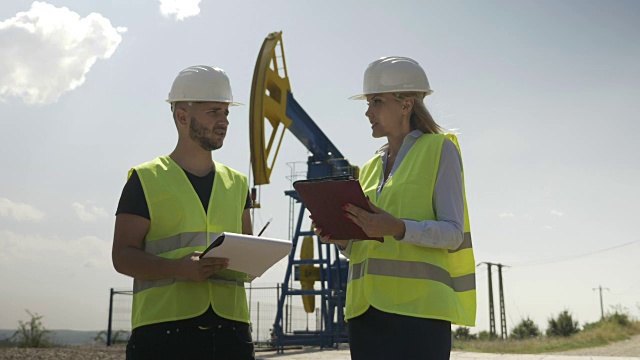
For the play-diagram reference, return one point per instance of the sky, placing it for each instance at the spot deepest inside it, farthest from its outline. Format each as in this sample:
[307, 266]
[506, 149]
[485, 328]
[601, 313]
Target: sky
[543, 96]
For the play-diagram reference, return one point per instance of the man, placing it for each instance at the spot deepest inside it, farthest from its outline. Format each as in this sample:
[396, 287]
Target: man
[171, 208]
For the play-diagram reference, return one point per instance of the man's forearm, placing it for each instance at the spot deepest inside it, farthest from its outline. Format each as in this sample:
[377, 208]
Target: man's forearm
[141, 265]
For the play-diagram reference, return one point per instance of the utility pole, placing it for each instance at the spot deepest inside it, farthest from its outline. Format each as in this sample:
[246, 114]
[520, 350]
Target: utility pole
[492, 318]
[503, 316]
[600, 288]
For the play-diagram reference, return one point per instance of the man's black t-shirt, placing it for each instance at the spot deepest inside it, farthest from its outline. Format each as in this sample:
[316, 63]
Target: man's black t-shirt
[133, 201]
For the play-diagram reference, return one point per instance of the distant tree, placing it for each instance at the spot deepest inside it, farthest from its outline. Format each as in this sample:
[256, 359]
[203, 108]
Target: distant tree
[32, 334]
[464, 333]
[526, 329]
[563, 325]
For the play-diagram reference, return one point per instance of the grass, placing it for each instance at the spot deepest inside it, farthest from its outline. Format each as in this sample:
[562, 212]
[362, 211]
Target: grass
[601, 335]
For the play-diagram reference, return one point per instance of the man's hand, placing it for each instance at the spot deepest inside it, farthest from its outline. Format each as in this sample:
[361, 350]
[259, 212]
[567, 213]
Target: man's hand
[377, 224]
[195, 269]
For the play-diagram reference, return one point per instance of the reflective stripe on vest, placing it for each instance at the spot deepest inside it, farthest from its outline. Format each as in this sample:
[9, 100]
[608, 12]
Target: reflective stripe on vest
[407, 279]
[142, 285]
[179, 226]
[411, 270]
[184, 240]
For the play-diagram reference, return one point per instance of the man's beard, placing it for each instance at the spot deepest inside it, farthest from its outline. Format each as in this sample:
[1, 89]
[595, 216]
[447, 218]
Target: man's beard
[200, 134]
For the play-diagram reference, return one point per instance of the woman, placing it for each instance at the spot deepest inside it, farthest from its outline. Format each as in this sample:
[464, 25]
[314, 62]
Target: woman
[404, 294]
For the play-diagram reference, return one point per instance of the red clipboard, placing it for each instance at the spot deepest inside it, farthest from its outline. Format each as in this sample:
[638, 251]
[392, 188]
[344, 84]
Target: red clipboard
[324, 198]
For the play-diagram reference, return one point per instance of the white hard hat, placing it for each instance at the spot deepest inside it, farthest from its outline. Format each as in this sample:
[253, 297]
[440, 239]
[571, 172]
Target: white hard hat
[202, 83]
[393, 74]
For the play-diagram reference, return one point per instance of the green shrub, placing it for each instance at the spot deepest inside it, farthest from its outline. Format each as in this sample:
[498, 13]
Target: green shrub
[599, 334]
[526, 329]
[563, 325]
[485, 335]
[591, 326]
[619, 316]
[464, 333]
[32, 334]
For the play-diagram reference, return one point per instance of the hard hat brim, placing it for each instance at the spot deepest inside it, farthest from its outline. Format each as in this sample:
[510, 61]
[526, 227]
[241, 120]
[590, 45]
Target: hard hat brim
[232, 103]
[359, 97]
[364, 96]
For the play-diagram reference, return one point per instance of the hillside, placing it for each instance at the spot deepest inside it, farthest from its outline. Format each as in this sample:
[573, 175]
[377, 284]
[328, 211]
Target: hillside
[61, 337]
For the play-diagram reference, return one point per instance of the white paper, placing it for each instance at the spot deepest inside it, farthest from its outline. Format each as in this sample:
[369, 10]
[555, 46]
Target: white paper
[249, 254]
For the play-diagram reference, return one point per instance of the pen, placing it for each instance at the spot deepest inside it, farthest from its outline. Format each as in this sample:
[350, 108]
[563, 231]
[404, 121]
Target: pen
[265, 227]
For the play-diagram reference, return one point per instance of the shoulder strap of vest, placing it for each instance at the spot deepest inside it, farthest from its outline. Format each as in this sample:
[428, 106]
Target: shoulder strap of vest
[161, 161]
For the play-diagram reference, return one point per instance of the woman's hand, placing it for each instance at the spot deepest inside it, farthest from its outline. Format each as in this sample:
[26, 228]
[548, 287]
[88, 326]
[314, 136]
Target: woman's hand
[377, 224]
[327, 238]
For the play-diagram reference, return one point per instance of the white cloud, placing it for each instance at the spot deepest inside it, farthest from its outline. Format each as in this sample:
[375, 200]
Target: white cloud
[48, 51]
[19, 211]
[504, 215]
[53, 251]
[179, 9]
[557, 213]
[89, 212]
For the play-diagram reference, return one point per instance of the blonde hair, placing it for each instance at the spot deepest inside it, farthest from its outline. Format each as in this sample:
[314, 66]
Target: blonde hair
[420, 119]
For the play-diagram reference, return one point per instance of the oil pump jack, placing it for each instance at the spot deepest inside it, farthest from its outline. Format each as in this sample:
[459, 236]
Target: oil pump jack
[274, 108]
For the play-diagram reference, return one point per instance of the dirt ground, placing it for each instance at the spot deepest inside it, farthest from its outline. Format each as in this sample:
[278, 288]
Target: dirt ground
[70, 353]
[624, 348]
[627, 348]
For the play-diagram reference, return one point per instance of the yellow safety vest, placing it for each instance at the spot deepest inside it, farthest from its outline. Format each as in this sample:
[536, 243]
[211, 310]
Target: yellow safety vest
[180, 226]
[403, 278]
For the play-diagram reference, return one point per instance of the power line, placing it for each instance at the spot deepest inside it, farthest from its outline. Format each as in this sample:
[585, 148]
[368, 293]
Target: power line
[634, 287]
[555, 260]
